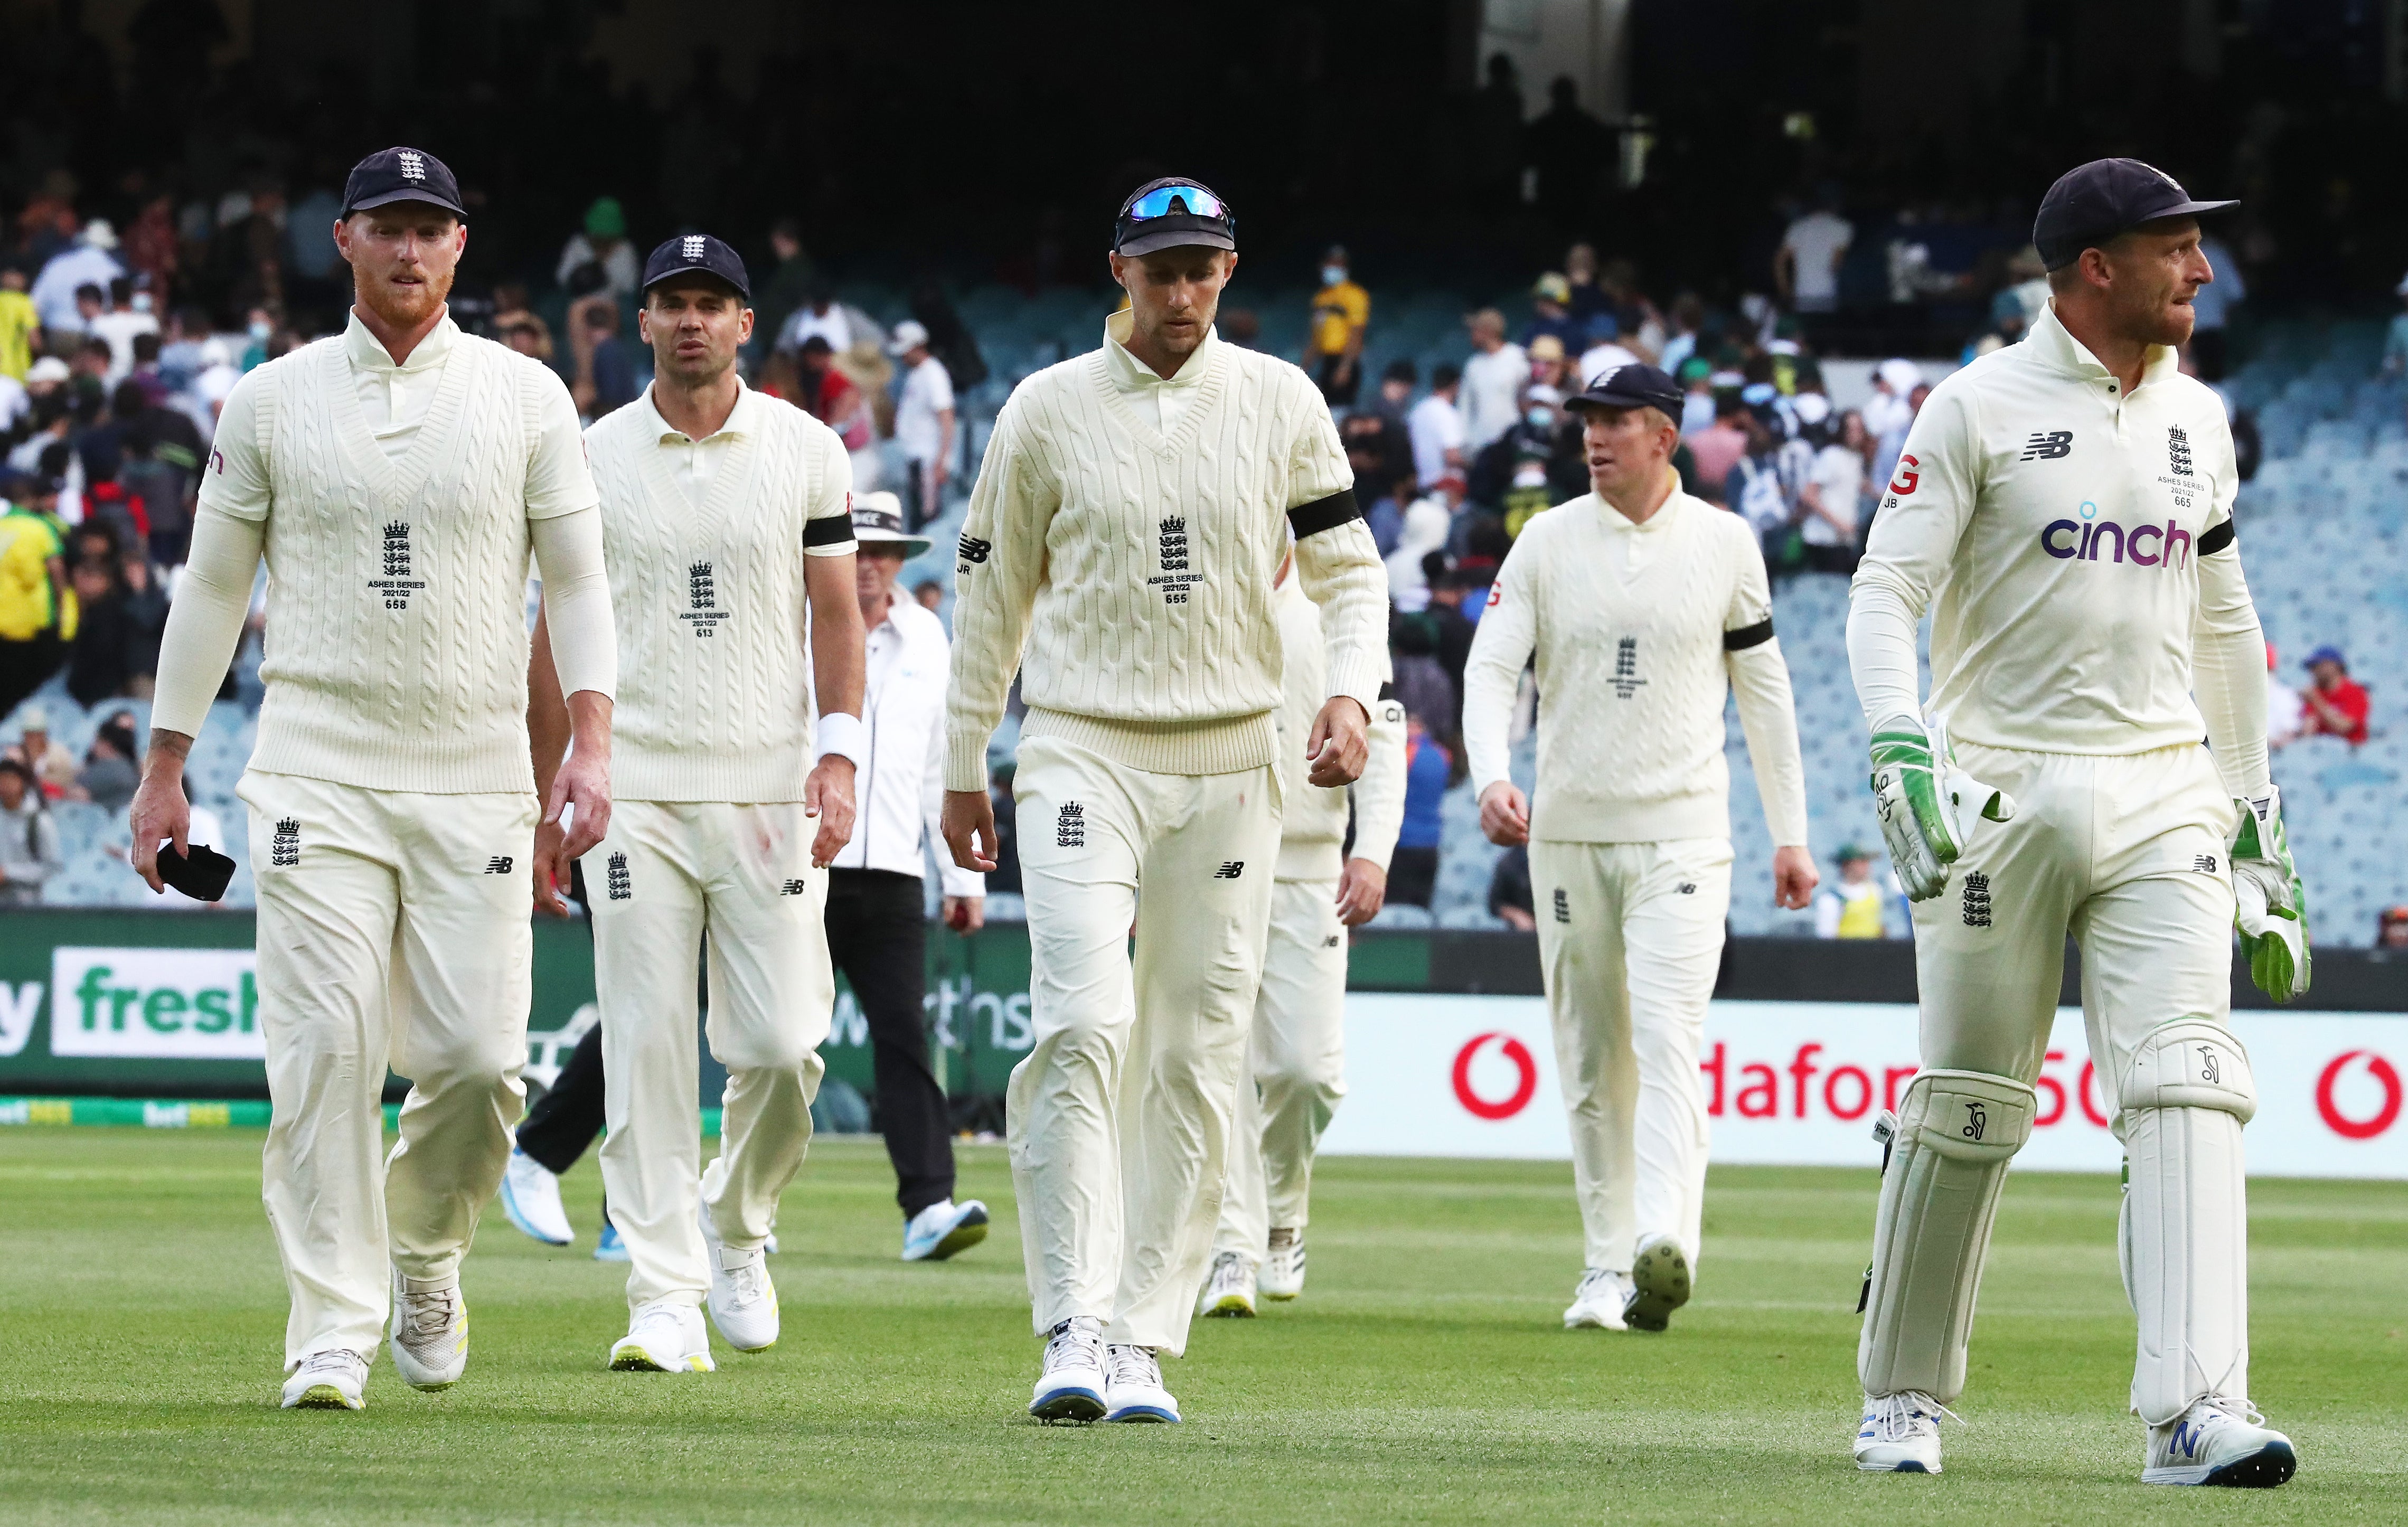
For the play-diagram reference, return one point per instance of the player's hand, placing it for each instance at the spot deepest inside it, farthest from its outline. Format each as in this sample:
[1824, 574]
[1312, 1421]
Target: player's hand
[158, 809]
[2271, 905]
[551, 869]
[1505, 814]
[1927, 805]
[968, 825]
[1340, 742]
[828, 795]
[1794, 877]
[965, 914]
[1362, 886]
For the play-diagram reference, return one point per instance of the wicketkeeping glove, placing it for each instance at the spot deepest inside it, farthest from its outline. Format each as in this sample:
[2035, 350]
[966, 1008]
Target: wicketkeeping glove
[1927, 805]
[2271, 905]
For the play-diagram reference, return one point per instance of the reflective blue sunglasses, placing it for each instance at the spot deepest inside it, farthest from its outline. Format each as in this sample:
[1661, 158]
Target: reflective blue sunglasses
[1165, 201]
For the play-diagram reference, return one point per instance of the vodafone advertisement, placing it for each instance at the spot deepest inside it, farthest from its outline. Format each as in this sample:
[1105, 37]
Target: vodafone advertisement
[1800, 1083]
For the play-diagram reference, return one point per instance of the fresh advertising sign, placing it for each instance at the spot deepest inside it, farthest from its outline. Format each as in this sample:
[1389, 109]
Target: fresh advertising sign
[155, 1004]
[1801, 1082]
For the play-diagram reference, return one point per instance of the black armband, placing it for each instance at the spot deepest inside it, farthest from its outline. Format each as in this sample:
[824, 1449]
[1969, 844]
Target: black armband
[1324, 513]
[1748, 636]
[831, 530]
[2215, 538]
[1387, 691]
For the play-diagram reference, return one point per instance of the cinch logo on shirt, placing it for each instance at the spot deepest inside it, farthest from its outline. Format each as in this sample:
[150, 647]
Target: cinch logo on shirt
[2088, 539]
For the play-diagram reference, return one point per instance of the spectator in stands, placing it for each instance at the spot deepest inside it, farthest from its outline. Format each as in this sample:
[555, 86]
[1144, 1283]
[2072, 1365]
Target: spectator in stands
[99, 661]
[2391, 928]
[1684, 321]
[820, 314]
[930, 594]
[1492, 380]
[145, 620]
[1806, 268]
[113, 766]
[1437, 427]
[2212, 309]
[924, 421]
[1551, 298]
[1887, 410]
[1448, 589]
[527, 334]
[1765, 487]
[159, 464]
[606, 364]
[1392, 407]
[1427, 522]
[88, 262]
[1509, 892]
[1568, 150]
[789, 286]
[29, 838]
[1341, 315]
[1832, 496]
[1548, 366]
[603, 242]
[1696, 375]
[1719, 448]
[2337, 703]
[1857, 905]
[21, 324]
[119, 323]
[2286, 714]
[29, 643]
[829, 396]
[1412, 869]
[41, 754]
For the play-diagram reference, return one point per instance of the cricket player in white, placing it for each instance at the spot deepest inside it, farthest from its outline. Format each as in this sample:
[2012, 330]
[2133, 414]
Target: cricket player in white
[1298, 1062]
[2065, 504]
[396, 476]
[1134, 504]
[1645, 608]
[728, 532]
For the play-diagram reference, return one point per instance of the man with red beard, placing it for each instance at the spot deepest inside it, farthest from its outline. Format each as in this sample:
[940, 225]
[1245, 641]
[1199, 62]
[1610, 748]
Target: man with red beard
[395, 478]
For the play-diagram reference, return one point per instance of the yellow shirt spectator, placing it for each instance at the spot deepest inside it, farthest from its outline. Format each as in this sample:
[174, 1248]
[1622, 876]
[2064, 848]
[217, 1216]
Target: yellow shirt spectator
[1339, 313]
[18, 321]
[26, 547]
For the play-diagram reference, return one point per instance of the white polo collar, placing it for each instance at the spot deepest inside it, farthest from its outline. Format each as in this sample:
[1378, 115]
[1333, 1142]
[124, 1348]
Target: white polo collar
[1131, 375]
[742, 420]
[366, 352]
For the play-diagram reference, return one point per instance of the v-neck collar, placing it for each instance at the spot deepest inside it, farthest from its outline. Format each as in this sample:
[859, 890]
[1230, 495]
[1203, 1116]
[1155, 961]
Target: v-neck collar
[395, 481]
[1118, 373]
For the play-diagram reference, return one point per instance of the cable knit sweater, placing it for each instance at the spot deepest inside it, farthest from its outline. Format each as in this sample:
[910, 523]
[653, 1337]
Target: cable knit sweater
[1313, 819]
[1135, 567]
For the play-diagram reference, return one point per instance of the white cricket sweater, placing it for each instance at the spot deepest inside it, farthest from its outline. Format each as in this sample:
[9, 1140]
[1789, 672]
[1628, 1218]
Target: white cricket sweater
[397, 648]
[1640, 631]
[1135, 567]
[715, 680]
[1313, 819]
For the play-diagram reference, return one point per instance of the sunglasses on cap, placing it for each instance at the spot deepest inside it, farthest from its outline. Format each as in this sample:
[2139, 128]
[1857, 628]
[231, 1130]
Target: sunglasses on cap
[1166, 201]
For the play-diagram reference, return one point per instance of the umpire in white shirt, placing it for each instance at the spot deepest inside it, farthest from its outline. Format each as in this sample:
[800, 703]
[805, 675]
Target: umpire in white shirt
[877, 921]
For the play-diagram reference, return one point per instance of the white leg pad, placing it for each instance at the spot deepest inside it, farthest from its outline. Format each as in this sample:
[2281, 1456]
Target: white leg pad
[1956, 1132]
[2185, 1232]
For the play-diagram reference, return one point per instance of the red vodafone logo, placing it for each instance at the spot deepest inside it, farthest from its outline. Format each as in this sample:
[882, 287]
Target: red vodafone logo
[1525, 1084]
[2341, 1123]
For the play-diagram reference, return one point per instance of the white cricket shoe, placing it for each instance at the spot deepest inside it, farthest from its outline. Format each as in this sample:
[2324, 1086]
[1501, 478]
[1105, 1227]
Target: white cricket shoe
[1597, 1303]
[1659, 1283]
[943, 1229]
[663, 1337]
[1133, 1388]
[1071, 1387]
[1283, 1274]
[531, 1197]
[2218, 1442]
[329, 1381]
[1229, 1290]
[743, 1301]
[430, 1332]
[1901, 1434]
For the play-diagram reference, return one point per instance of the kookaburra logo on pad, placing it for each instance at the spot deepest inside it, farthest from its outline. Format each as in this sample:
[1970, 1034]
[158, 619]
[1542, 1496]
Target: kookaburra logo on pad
[694, 246]
[1975, 1121]
[413, 165]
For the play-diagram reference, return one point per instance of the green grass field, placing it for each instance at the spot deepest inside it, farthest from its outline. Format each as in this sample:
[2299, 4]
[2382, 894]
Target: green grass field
[1423, 1377]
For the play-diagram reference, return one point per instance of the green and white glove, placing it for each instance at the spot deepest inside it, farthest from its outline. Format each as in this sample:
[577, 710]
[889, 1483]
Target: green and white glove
[2271, 905]
[1926, 804]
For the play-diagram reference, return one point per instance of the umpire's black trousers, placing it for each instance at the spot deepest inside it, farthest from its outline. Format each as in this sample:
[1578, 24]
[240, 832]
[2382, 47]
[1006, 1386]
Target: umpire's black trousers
[878, 936]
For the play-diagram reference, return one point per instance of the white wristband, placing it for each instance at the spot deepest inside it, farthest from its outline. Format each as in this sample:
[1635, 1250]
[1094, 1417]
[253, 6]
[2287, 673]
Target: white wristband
[842, 733]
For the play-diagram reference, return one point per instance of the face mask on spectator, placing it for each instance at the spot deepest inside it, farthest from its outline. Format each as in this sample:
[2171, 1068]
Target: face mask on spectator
[142, 301]
[1542, 418]
[261, 329]
[1332, 275]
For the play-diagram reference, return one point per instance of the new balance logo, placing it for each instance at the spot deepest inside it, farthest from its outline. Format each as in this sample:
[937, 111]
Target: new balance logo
[1625, 679]
[974, 550]
[413, 165]
[1230, 869]
[1330, 943]
[1977, 900]
[2048, 446]
[1563, 905]
[792, 888]
[1070, 826]
[1686, 888]
[694, 246]
[284, 849]
[2203, 865]
[1975, 1121]
[499, 864]
[2178, 450]
[623, 885]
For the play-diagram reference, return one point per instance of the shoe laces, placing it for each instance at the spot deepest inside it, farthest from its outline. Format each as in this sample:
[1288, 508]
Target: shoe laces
[1228, 1268]
[1080, 1336]
[2231, 1408]
[333, 1361]
[1132, 1365]
[1907, 1413]
[427, 1312]
[1592, 1282]
[746, 1273]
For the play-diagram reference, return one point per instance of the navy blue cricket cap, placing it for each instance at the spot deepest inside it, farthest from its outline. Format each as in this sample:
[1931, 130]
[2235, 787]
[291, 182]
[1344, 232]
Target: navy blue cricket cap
[1174, 210]
[2093, 203]
[1635, 386]
[402, 175]
[690, 254]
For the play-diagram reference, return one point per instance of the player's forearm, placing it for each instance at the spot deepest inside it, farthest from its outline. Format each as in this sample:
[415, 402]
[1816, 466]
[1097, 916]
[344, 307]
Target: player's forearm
[1760, 678]
[840, 661]
[1380, 794]
[548, 724]
[1492, 676]
[589, 725]
[1881, 654]
[204, 622]
[1340, 570]
[576, 602]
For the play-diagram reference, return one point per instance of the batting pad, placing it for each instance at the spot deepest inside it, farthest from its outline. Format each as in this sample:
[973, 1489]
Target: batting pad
[1956, 1132]
[2185, 1232]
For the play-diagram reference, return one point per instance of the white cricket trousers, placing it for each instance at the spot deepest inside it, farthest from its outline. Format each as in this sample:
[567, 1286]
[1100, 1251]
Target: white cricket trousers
[1297, 1060]
[394, 931]
[1119, 1117]
[1630, 936]
[2127, 854]
[669, 874]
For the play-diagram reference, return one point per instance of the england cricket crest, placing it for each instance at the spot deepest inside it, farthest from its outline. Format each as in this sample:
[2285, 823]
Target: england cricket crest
[397, 585]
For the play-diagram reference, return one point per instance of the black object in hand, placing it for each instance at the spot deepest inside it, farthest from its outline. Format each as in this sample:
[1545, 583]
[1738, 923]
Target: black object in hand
[203, 874]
